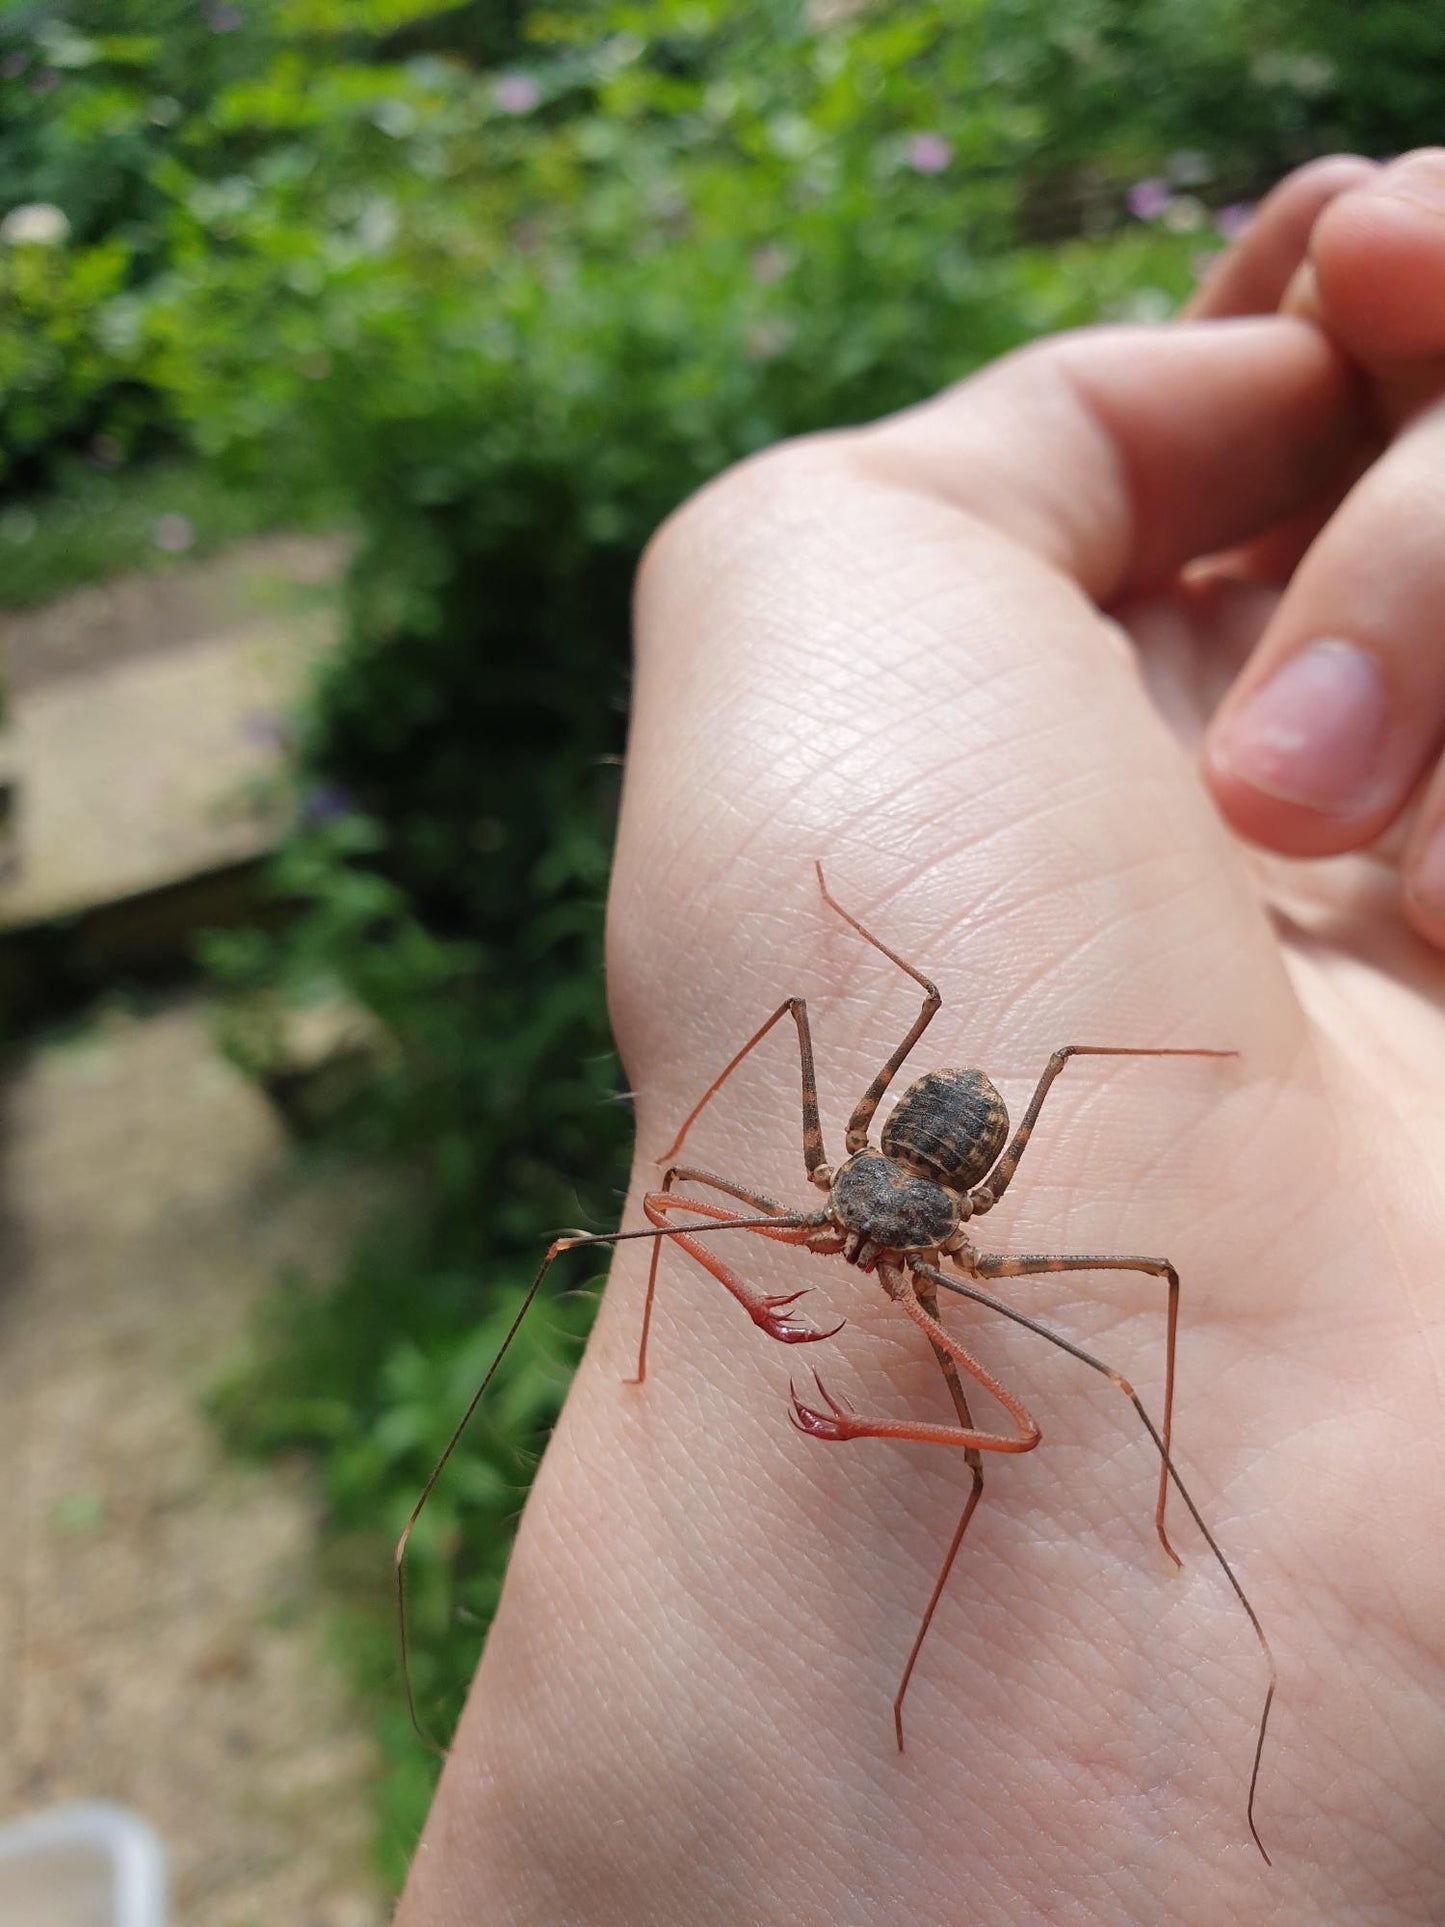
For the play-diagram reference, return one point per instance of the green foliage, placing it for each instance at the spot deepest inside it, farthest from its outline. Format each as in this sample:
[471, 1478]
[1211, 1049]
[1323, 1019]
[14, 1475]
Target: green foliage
[96, 101]
[512, 314]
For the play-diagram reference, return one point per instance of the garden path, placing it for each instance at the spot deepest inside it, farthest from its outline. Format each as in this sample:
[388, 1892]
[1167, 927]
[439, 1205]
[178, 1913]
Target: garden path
[161, 1636]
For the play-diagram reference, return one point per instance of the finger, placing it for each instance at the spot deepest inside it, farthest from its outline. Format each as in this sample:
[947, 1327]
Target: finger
[1274, 556]
[1375, 278]
[1121, 454]
[1335, 719]
[1251, 277]
[1423, 863]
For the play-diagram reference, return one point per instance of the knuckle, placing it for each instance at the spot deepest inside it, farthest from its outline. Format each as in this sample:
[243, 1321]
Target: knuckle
[744, 504]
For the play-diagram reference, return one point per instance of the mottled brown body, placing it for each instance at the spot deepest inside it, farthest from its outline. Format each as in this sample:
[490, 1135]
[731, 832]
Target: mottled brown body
[948, 1126]
[889, 1211]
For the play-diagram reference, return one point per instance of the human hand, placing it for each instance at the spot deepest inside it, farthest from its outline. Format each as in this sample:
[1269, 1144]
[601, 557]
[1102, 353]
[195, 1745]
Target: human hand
[915, 650]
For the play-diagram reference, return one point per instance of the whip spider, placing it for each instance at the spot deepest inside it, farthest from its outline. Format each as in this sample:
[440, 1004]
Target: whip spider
[898, 1213]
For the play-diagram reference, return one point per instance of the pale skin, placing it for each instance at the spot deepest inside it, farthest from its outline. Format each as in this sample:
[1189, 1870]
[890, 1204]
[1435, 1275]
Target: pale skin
[915, 651]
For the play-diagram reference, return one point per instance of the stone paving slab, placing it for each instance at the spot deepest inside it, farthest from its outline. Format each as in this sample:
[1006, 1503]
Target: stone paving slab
[129, 779]
[137, 615]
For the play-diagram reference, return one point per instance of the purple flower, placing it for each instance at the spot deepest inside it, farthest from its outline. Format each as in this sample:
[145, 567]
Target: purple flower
[516, 94]
[324, 802]
[1233, 221]
[928, 153]
[770, 263]
[1147, 200]
[224, 19]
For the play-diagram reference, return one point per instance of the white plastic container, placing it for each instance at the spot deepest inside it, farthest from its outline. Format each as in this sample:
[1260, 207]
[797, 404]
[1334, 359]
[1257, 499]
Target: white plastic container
[82, 1866]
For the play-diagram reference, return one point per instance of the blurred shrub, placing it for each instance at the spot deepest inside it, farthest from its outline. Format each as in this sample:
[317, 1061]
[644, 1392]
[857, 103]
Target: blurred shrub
[684, 248]
[514, 312]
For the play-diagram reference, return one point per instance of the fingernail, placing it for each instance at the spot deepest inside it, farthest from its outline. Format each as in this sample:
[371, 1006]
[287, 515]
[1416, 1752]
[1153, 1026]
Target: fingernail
[1427, 880]
[1314, 734]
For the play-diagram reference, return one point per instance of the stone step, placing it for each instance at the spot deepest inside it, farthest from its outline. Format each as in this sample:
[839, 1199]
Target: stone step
[140, 786]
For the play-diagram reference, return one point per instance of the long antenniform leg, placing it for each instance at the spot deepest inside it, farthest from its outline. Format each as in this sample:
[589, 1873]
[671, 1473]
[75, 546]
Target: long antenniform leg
[1122, 1384]
[984, 1265]
[720, 1221]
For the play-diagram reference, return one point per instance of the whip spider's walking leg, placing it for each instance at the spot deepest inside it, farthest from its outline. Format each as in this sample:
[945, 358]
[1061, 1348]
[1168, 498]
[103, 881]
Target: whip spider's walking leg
[919, 1300]
[928, 1298]
[1122, 1384]
[981, 1264]
[983, 1197]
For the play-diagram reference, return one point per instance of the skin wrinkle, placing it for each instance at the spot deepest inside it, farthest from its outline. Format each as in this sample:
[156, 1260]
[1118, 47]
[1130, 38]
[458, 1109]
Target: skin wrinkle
[752, 621]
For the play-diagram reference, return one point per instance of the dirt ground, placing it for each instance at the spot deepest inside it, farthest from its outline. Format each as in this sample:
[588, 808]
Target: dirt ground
[161, 1637]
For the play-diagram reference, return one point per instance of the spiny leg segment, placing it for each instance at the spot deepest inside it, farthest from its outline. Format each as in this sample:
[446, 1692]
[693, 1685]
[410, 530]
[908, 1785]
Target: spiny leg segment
[688, 1174]
[768, 1313]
